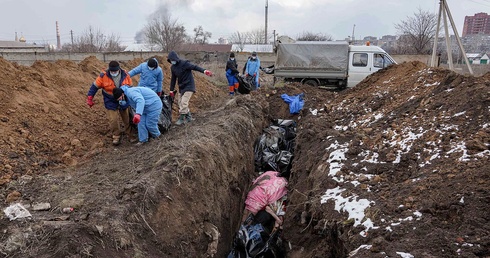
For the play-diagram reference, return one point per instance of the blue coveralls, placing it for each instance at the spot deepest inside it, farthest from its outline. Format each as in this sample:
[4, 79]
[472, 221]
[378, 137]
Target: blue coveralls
[149, 78]
[253, 67]
[146, 103]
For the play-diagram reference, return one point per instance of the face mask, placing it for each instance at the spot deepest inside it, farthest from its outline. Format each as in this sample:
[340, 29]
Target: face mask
[232, 59]
[151, 68]
[173, 62]
[253, 57]
[122, 102]
[114, 74]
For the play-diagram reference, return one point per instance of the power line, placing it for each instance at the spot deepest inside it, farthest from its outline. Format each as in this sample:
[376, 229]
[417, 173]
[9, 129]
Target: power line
[487, 5]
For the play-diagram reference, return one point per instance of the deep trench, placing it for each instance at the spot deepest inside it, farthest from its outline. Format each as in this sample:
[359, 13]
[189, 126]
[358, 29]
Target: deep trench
[147, 189]
[274, 151]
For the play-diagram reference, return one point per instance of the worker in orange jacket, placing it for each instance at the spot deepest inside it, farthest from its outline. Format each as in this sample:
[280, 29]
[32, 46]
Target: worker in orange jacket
[113, 77]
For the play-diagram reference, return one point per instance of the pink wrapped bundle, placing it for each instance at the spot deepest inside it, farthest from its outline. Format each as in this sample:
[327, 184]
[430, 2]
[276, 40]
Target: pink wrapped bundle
[266, 189]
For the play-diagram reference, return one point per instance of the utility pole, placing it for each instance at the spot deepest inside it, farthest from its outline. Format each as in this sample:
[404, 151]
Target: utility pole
[71, 33]
[266, 11]
[353, 39]
[444, 11]
[58, 39]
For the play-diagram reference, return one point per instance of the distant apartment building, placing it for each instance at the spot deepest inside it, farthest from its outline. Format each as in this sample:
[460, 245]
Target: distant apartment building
[477, 24]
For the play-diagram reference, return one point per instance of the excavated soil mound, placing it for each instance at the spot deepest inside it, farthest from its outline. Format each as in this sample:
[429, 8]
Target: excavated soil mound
[396, 166]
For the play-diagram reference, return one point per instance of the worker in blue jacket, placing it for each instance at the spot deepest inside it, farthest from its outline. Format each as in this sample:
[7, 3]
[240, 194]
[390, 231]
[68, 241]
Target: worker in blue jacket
[151, 75]
[253, 68]
[148, 107]
[182, 74]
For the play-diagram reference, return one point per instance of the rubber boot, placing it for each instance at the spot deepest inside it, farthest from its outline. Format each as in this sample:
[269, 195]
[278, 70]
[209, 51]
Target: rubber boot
[236, 86]
[232, 90]
[181, 119]
[188, 117]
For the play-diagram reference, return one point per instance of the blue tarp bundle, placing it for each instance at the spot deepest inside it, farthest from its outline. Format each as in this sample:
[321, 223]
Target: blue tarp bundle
[296, 102]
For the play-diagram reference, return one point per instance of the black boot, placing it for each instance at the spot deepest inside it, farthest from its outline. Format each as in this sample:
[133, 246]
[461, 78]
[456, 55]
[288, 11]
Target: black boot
[188, 117]
[181, 119]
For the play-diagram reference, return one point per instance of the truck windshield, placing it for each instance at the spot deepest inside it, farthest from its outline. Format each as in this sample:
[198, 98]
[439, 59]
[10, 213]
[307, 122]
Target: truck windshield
[381, 61]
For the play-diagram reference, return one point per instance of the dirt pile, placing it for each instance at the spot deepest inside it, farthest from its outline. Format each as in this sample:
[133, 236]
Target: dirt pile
[396, 166]
[46, 123]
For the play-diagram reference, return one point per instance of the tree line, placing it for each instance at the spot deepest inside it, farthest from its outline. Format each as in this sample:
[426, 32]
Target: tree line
[164, 33]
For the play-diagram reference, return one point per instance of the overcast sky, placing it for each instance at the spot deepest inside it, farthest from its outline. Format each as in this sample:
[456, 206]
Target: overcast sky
[36, 19]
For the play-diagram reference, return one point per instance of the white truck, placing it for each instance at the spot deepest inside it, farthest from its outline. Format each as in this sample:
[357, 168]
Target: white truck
[328, 64]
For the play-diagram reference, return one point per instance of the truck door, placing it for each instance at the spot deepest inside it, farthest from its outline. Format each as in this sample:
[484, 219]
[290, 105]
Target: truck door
[381, 61]
[360, 66]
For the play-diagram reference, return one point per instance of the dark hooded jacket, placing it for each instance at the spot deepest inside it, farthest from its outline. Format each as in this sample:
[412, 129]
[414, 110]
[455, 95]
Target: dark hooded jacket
[231, 67]
[182, 73]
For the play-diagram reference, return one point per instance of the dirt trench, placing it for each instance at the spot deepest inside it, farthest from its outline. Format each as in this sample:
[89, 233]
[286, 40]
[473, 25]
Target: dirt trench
[168, 198]
[159, 200]
[180, 196]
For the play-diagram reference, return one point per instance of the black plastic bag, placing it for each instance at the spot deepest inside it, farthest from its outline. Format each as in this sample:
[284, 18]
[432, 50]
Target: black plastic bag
[257, 238]
[245, 84]
[165, 118]
[131, 115]
[274, 149]
[268, 69]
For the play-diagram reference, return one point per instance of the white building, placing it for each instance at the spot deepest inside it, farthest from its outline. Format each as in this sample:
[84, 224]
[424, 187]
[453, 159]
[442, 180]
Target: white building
[477, 58]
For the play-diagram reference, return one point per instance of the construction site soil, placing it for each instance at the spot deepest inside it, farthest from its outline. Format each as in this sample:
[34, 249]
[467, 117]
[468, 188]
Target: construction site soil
[396, 167]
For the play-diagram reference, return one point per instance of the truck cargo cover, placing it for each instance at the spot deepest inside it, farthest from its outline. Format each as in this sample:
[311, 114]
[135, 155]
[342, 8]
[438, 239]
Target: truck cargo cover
[324, 55]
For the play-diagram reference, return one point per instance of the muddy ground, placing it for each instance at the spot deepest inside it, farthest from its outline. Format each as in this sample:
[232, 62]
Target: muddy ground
[395, 167]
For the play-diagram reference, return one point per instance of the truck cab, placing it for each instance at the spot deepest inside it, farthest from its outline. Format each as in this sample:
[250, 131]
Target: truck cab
[328, 64]
[365, 60]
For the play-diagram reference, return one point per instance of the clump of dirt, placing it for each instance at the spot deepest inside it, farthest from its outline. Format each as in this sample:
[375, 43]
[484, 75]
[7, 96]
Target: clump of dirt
[408, 148]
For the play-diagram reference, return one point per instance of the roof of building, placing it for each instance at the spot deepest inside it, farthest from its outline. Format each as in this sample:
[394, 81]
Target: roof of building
[477, 55]
[205, 47]
[265, 48]
[184, 47]
[141, 47]
[15, 44]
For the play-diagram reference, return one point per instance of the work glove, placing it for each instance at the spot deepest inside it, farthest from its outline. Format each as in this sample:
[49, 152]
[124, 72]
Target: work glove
[172, 94]
[90, 101]
[159, 94]
[136, 118]
[208, 73]
[255, 74]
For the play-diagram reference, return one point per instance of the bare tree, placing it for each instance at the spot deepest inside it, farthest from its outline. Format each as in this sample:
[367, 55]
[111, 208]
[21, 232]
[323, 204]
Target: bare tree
[417, 32]
[163, 31]
[238, 38]
[94, 40]
[91, 40]
[201, 36]
[112, 44]
[310, 36]
[256, 36]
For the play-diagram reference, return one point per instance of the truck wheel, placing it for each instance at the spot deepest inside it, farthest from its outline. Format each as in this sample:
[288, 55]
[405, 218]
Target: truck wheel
[313, 83]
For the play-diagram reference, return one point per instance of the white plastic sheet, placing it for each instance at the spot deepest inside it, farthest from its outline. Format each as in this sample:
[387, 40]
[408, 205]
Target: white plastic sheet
[16, 211]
